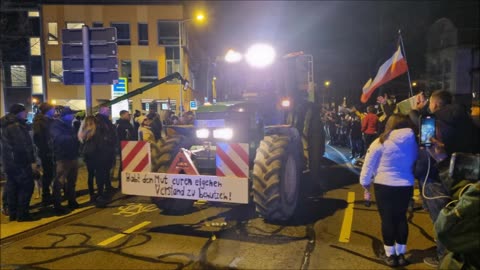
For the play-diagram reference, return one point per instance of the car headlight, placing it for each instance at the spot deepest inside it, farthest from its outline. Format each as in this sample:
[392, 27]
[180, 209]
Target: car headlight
[203, 133]
[223, 133]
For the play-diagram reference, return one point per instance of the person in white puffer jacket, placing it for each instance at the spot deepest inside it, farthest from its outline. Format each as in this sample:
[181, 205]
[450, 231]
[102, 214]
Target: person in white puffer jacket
[389, 164]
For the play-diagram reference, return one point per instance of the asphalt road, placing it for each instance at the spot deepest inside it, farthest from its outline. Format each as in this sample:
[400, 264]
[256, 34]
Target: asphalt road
[330, 230]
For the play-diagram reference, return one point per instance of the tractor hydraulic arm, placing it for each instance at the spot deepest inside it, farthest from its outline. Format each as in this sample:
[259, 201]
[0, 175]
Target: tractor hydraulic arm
[142, 89]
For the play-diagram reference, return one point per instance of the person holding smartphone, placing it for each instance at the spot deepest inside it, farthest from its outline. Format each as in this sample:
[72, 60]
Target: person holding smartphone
[454, 132]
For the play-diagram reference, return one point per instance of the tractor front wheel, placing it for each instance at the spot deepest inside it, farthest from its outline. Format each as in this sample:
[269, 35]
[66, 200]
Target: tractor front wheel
[276, 176]
[163, 153]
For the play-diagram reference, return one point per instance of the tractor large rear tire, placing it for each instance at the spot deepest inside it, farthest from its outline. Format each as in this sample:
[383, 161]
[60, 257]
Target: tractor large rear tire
[276, 176]
[316, 145]
[163, 153]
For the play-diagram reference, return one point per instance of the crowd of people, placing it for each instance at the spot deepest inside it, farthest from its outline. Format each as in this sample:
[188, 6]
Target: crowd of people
[56, 143]
[50, 148]
[394, 160]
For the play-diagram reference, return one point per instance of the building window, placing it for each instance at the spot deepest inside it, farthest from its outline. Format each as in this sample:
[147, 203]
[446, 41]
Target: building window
[37, 85]
[142, 34]
[172, 60]
[75, 25]
[56, 71]
[18, 75]
[148, 70]
[52, 33]
[168, 33]
[34, 46]
[447, 66]
[33, 14]
[123, 33]
[97, 24]
[126, 69]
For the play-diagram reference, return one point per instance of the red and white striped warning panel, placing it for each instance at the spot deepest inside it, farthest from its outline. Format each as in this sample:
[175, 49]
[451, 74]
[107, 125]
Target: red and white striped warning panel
[136, 156]
[232, 159]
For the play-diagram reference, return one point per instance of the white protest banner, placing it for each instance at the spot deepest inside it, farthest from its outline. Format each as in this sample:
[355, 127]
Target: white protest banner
[184, 186]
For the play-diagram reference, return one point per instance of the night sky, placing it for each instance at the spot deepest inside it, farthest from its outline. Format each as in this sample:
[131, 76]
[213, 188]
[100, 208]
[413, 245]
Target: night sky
[349, 40]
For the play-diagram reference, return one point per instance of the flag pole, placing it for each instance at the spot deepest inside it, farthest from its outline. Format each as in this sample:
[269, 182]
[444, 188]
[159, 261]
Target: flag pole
[408, 69]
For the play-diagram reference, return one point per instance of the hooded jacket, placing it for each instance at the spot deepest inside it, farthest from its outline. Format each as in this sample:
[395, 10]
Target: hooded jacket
[17, 146]
[456, 128]
[392, 162]
[41, 133]
[64, 139]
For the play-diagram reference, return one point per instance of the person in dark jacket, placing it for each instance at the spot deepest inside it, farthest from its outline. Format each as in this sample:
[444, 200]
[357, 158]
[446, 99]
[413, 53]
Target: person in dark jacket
[135, 124]
[65, 149]
[156, 125]
[125, 129]
[455, 133]
[106, 142]
[41, 138]
[18, 161]
[125, 132]
[85, 136]
[355, 132]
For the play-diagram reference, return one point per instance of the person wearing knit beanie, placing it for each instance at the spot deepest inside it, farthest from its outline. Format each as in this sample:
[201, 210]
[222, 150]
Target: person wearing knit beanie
[16, 108]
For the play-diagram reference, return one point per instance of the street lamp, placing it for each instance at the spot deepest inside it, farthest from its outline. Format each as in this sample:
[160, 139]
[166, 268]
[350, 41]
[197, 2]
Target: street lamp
[233, 56]
[181, 25]
[327, 84]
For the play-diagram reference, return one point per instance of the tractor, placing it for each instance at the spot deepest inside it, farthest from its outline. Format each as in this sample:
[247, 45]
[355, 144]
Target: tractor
[261, 144]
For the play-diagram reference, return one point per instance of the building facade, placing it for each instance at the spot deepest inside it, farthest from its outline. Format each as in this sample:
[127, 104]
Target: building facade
[20, 55]
[148, 49]
[453, 60]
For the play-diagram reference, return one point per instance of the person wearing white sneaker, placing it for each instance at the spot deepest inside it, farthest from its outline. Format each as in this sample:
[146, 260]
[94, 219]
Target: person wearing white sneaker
[390, 161]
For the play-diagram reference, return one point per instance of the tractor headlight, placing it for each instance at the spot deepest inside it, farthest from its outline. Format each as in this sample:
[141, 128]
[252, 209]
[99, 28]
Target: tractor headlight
[285, 103]
[203, 133]
[223, 133]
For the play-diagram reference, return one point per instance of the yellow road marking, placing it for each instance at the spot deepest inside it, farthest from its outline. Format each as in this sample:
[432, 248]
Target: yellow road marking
[123, 234]
[416, 194]
[347, 219]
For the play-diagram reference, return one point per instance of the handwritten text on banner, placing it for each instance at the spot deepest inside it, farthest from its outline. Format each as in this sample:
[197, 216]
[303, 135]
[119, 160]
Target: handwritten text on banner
[184, 186]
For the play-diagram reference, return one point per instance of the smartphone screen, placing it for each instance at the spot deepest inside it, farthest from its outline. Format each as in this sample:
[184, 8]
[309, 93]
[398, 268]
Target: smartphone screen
[427, 130]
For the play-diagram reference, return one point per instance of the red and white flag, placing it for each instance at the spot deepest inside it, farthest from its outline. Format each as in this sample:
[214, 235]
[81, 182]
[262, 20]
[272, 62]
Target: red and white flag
[392, 68]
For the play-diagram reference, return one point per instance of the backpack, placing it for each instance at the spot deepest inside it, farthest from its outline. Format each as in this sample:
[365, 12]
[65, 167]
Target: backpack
[457, 228]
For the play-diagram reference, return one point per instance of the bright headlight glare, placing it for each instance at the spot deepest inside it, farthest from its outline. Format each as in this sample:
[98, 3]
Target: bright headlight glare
[285, 103]
[203, 133]
[223, 133]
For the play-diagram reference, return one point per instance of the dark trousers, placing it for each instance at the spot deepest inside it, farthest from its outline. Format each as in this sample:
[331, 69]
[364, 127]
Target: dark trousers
[4, 198]
[91, 175]
[120, 168]
[369, 138]
[357, 146]
[67, 171]
[19, 190]
[434, 206]
[48, 166]
[102, 175]
[392, 203]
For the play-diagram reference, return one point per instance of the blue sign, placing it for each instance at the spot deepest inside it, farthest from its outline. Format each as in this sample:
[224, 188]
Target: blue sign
[120, 88]
[193, 105]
